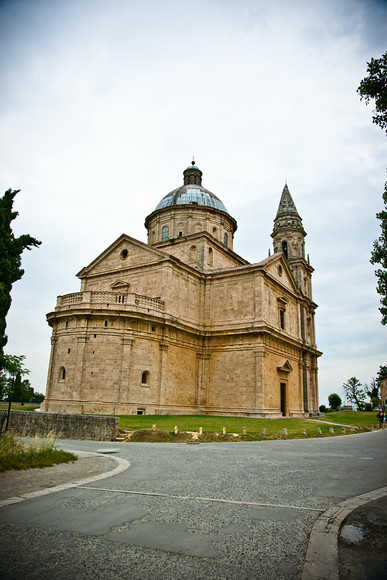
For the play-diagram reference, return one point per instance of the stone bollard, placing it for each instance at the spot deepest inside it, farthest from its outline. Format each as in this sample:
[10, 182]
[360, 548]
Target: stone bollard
[264, 431]
[353, 429]
[224, 430]
[372, 428]
[243, 430]
[200, 430]
[304, 431]
[331, 430]
[176, 430]
[285, 432]
[319, 430]
[153, 427]
[343, 430]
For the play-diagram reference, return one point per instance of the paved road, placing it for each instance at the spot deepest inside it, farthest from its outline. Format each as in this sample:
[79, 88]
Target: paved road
[208, 511]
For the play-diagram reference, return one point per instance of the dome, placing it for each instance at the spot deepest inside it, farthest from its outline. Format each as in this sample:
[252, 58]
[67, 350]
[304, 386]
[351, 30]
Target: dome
[192, 192]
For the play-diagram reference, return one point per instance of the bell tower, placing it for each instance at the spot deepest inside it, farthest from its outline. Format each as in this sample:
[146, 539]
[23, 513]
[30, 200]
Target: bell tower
[289, 237]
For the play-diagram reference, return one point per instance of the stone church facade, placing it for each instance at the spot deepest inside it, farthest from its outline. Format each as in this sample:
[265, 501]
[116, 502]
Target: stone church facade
[184, 325]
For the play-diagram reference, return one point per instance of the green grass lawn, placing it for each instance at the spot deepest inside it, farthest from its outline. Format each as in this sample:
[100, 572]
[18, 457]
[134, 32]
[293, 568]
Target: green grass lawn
[352, 418]
[26, 407]
[254, 427]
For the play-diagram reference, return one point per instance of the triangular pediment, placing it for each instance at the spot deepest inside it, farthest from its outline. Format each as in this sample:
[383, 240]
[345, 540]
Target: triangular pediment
[285, 367]
[277, 267]
[124, 253]
[119, 285]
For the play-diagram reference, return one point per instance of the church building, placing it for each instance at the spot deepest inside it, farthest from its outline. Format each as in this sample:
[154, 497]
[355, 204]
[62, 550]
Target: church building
[184, 325]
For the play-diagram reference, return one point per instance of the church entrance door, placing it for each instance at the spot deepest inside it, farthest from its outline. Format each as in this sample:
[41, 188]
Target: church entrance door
[283, 399]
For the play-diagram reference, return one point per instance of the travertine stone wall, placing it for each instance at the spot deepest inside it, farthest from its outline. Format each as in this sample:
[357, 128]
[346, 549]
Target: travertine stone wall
[61, 426]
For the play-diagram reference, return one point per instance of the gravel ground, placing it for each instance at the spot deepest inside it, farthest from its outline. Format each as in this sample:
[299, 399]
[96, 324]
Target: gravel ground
[15, 483]
[162, 518]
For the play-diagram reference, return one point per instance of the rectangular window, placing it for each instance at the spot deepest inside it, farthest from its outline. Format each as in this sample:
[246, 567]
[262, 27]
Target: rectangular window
[282, 319]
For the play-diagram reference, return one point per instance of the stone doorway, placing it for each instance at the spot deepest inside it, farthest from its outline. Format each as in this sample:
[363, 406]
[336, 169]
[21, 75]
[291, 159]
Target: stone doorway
[283, 399]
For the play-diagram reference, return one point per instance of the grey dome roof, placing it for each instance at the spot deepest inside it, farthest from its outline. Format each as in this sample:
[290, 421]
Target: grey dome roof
[191, 194]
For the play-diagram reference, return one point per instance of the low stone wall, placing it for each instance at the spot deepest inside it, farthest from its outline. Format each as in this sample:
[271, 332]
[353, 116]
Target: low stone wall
[60, 426]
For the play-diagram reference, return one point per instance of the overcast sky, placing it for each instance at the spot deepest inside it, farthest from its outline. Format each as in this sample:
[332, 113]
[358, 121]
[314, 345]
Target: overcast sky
[103, 105]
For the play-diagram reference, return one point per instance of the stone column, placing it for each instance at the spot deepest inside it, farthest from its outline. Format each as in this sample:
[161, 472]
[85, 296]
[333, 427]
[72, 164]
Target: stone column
[79, 369]
[201, 386]
[50, 374]
[306, 383]
[161, 390]
[260, 379]
[123, 388]
[301, 383]
[314, 385]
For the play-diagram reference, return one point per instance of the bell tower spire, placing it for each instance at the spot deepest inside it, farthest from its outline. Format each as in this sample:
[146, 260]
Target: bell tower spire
[289, 237]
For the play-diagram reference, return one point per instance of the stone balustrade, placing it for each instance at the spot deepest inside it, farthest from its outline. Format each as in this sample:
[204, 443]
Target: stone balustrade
[123, 300]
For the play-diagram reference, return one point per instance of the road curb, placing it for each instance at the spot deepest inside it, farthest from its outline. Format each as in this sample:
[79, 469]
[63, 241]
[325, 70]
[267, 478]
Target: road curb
[322, 558]
[123, 465]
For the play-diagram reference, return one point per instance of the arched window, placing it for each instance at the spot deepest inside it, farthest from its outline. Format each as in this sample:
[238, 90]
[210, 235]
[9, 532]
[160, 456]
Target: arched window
[192, 253]
[145, 378]
[225, 239]
[164, 234]
[62, 373]
[285, 248]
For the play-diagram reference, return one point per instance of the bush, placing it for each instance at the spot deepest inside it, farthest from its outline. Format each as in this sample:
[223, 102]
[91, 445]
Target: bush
[334, 401]
[15, 455]
[322, 409]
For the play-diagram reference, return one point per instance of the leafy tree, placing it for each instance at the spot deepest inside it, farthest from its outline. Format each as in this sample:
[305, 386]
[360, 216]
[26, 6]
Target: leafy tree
[11, 383]
[334, 401]
[354, 392]
[11, 249]
[5, 385]
[373, 392]
[36, 398]
[374, 86]
[322, 409]
[13, 367]
[22, 390]
[379, 256]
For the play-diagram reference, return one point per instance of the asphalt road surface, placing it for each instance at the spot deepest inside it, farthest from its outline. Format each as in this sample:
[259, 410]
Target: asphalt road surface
[228, 511]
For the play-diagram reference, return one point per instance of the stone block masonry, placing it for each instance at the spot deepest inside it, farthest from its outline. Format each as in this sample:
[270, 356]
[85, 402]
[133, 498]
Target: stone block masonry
[60, 426]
